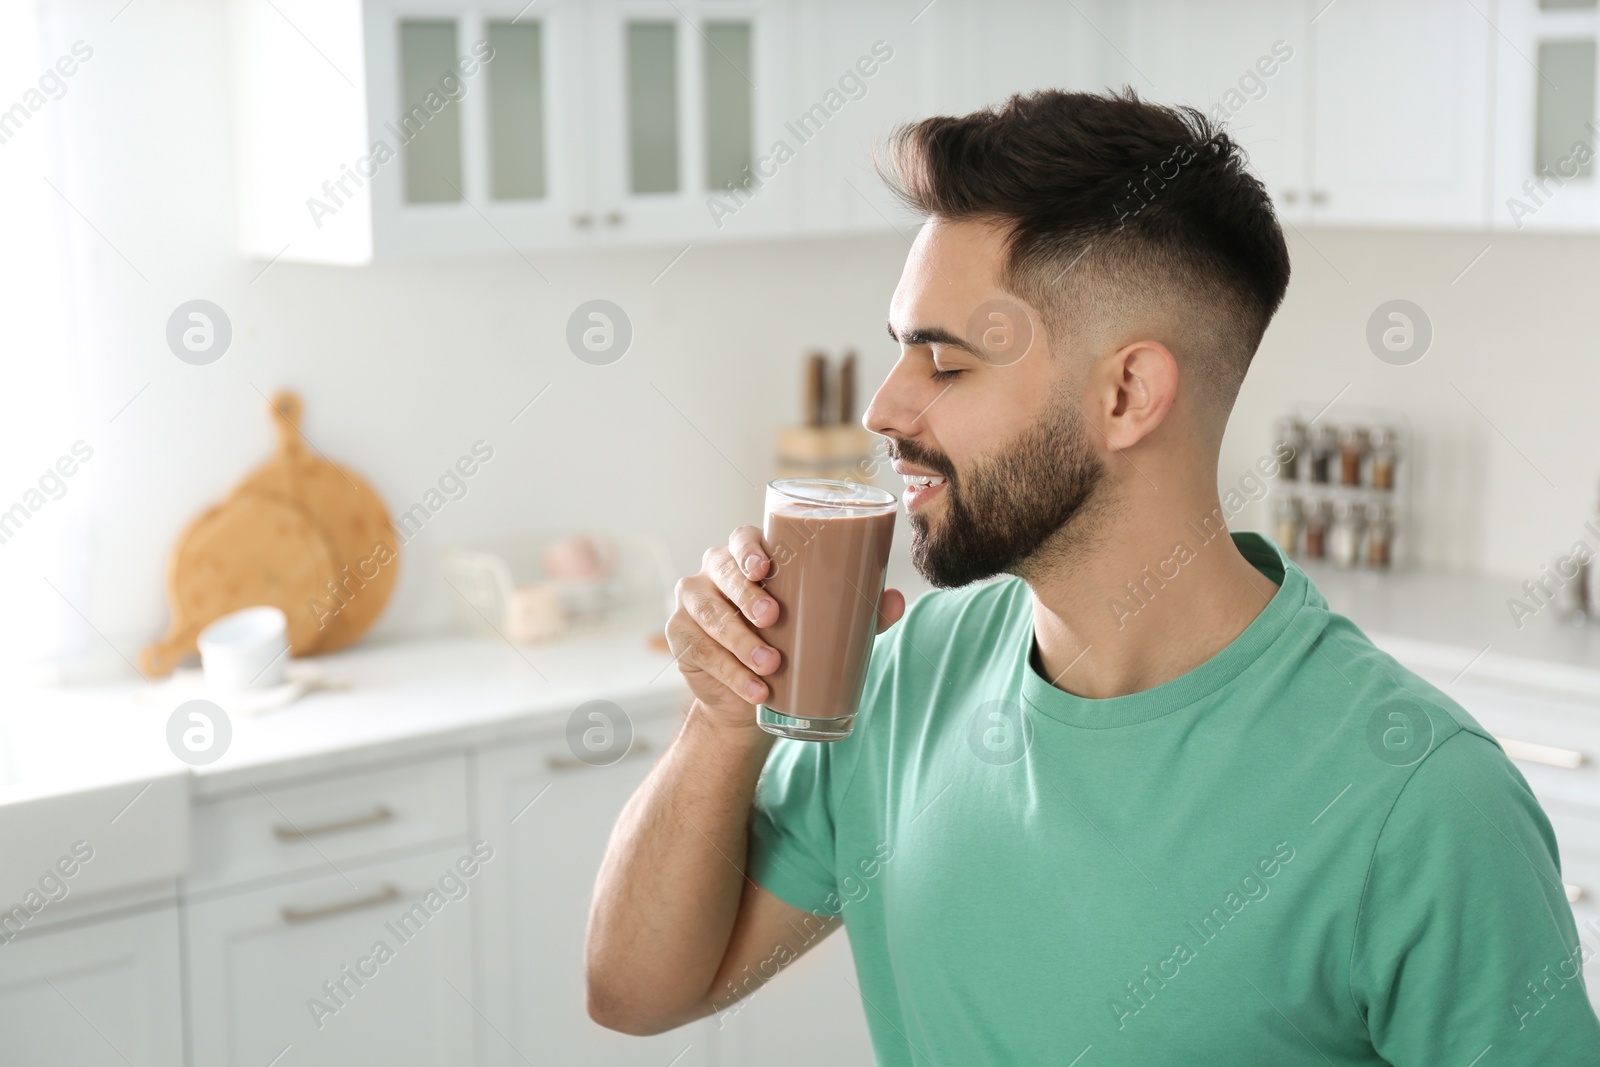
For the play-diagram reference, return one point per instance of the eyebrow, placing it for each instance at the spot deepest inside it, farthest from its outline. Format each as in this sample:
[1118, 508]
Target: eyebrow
[919, 336]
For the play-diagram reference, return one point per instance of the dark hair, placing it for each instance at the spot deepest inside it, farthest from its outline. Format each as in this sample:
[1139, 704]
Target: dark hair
[1115, 205]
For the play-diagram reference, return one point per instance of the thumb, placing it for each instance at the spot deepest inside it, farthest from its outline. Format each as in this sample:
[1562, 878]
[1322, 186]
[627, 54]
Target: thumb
[891, 606]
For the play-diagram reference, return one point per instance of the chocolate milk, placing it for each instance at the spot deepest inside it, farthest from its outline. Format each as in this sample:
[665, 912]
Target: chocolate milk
[829, 573]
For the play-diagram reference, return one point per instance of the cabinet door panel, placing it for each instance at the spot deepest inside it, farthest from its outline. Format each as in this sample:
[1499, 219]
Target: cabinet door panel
[1402, 110]
[688, 104]
[549, 815]
[104, 994]
[1243, 62]
[1545, 133]
[810, 1013]
[259, 962]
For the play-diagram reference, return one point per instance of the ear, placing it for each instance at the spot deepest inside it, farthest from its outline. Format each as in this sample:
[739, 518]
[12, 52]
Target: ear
[1133, 389]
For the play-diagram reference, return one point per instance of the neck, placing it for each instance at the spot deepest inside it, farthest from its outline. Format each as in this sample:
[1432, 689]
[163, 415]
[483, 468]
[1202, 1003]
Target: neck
[1141, 601]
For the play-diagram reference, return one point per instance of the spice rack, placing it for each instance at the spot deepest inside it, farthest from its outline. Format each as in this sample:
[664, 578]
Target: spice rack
[1346, 497]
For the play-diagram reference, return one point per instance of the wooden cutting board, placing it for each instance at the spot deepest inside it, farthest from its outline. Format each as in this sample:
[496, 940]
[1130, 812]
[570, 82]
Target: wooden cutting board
[246, 551]
[300, 533]
[350, 516]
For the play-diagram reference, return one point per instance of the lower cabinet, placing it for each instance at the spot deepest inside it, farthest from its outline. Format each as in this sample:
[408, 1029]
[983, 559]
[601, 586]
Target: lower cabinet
[395, 946]
[549, 814]
[809, 1014]
[101, 994]
[366, 964]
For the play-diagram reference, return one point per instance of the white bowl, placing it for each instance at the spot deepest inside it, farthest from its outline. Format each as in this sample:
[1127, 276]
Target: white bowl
[245, 650]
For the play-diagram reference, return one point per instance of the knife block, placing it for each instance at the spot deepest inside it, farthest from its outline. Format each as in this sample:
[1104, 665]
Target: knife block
[843, 452]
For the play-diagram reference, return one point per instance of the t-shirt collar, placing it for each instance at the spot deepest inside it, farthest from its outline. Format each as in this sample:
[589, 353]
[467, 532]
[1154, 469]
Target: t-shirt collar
[1277, 621]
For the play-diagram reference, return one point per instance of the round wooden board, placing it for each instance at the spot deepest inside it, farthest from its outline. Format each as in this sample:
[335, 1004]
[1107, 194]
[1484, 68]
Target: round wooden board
[246, 551]
[351, 518]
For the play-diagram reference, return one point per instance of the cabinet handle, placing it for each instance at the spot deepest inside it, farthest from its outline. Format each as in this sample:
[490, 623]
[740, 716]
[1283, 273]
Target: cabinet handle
[1290, 196]
[583, 220]
[572, 763]
[379, 814]
[614, 218]
[309, 915]
[1574, 892]
[1529, 752]
[1319, 196]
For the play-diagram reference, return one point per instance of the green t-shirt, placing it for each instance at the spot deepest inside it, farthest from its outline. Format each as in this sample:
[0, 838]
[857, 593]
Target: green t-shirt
[1297, 853]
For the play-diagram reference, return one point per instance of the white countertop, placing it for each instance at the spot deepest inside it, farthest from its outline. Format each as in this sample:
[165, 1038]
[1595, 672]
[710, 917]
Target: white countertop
[402, 699]
[416, 697]
[1451, 625]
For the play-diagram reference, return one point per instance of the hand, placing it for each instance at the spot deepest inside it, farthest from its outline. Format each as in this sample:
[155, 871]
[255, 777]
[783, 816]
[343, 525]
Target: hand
[711, 633]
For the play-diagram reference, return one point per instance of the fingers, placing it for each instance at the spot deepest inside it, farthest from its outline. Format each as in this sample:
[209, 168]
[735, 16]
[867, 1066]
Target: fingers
[707, 633]
[891, 606]
[752, 600]
[749, 552]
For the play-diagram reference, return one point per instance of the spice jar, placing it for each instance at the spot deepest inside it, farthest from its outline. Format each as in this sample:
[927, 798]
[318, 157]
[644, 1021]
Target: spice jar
[1344, 536]
[1290, 446]
[1316, 522]
[1287, 524]
[1380, 536]
[1352, 451]
[1385, 453]
[1324, 440]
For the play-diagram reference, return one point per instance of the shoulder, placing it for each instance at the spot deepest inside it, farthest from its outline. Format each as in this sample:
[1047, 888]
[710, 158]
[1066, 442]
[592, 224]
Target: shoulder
[1406, 717]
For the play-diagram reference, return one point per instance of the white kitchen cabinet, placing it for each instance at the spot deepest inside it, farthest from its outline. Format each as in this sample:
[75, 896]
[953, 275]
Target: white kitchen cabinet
[375, 128]
[686, 103]
[1246, 63]
[99, 994]
[810, 1013]
[1546, 139]
[381, 128]
[549, 814]
[554, 815]
[1401, 114]
[259, 961]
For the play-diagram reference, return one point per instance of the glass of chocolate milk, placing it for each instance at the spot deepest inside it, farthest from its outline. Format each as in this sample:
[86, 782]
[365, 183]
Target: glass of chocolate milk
[829, 543]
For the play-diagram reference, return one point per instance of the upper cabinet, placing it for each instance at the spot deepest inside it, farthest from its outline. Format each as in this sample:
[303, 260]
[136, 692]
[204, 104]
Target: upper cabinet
[381, 128]
[393, 128]
[1544, 174]
[1401, 113]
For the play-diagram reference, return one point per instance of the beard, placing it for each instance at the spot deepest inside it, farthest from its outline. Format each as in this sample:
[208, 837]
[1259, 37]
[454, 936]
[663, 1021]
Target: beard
[1001, 514]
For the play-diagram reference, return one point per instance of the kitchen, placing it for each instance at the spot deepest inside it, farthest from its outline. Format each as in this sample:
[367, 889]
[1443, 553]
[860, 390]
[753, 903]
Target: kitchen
[590, 272]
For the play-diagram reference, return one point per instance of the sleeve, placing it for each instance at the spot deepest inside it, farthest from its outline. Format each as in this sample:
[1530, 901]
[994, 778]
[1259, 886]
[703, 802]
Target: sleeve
[792, 828]
[1465, 939]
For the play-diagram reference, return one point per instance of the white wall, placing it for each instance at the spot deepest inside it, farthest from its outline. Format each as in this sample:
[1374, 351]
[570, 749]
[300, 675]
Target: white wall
[403, 367]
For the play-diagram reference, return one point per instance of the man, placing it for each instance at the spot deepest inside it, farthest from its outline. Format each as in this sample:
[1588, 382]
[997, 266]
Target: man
[1146, 799]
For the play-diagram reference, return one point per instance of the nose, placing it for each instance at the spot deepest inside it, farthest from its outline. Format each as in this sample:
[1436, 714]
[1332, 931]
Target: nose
[897, 408]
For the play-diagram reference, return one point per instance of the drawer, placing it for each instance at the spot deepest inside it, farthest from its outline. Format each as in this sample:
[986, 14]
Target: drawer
[1555, 744]
[314, 826]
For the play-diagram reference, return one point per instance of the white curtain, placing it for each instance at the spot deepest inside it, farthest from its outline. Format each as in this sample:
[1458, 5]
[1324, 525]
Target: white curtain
[43, 566]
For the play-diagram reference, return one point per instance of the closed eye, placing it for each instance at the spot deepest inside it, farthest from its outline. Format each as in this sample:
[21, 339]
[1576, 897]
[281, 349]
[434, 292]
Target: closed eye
[946, 375]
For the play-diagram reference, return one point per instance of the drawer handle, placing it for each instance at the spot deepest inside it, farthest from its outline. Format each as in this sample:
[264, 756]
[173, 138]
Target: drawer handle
[310, 915]
[379, 814]
[572, 763]
[1550, 756]
[1574, 892]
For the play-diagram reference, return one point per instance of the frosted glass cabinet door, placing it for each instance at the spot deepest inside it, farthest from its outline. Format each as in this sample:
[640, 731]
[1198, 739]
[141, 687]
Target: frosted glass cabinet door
[104, 994]
[483, 106]
[1545, 125]
[690, 99]
[433, 154]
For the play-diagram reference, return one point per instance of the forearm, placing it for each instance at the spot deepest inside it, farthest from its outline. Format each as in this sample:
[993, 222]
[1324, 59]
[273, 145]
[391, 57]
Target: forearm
[669, 888]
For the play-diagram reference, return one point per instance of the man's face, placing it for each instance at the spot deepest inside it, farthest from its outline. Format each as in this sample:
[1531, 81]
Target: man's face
[1005, 430]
